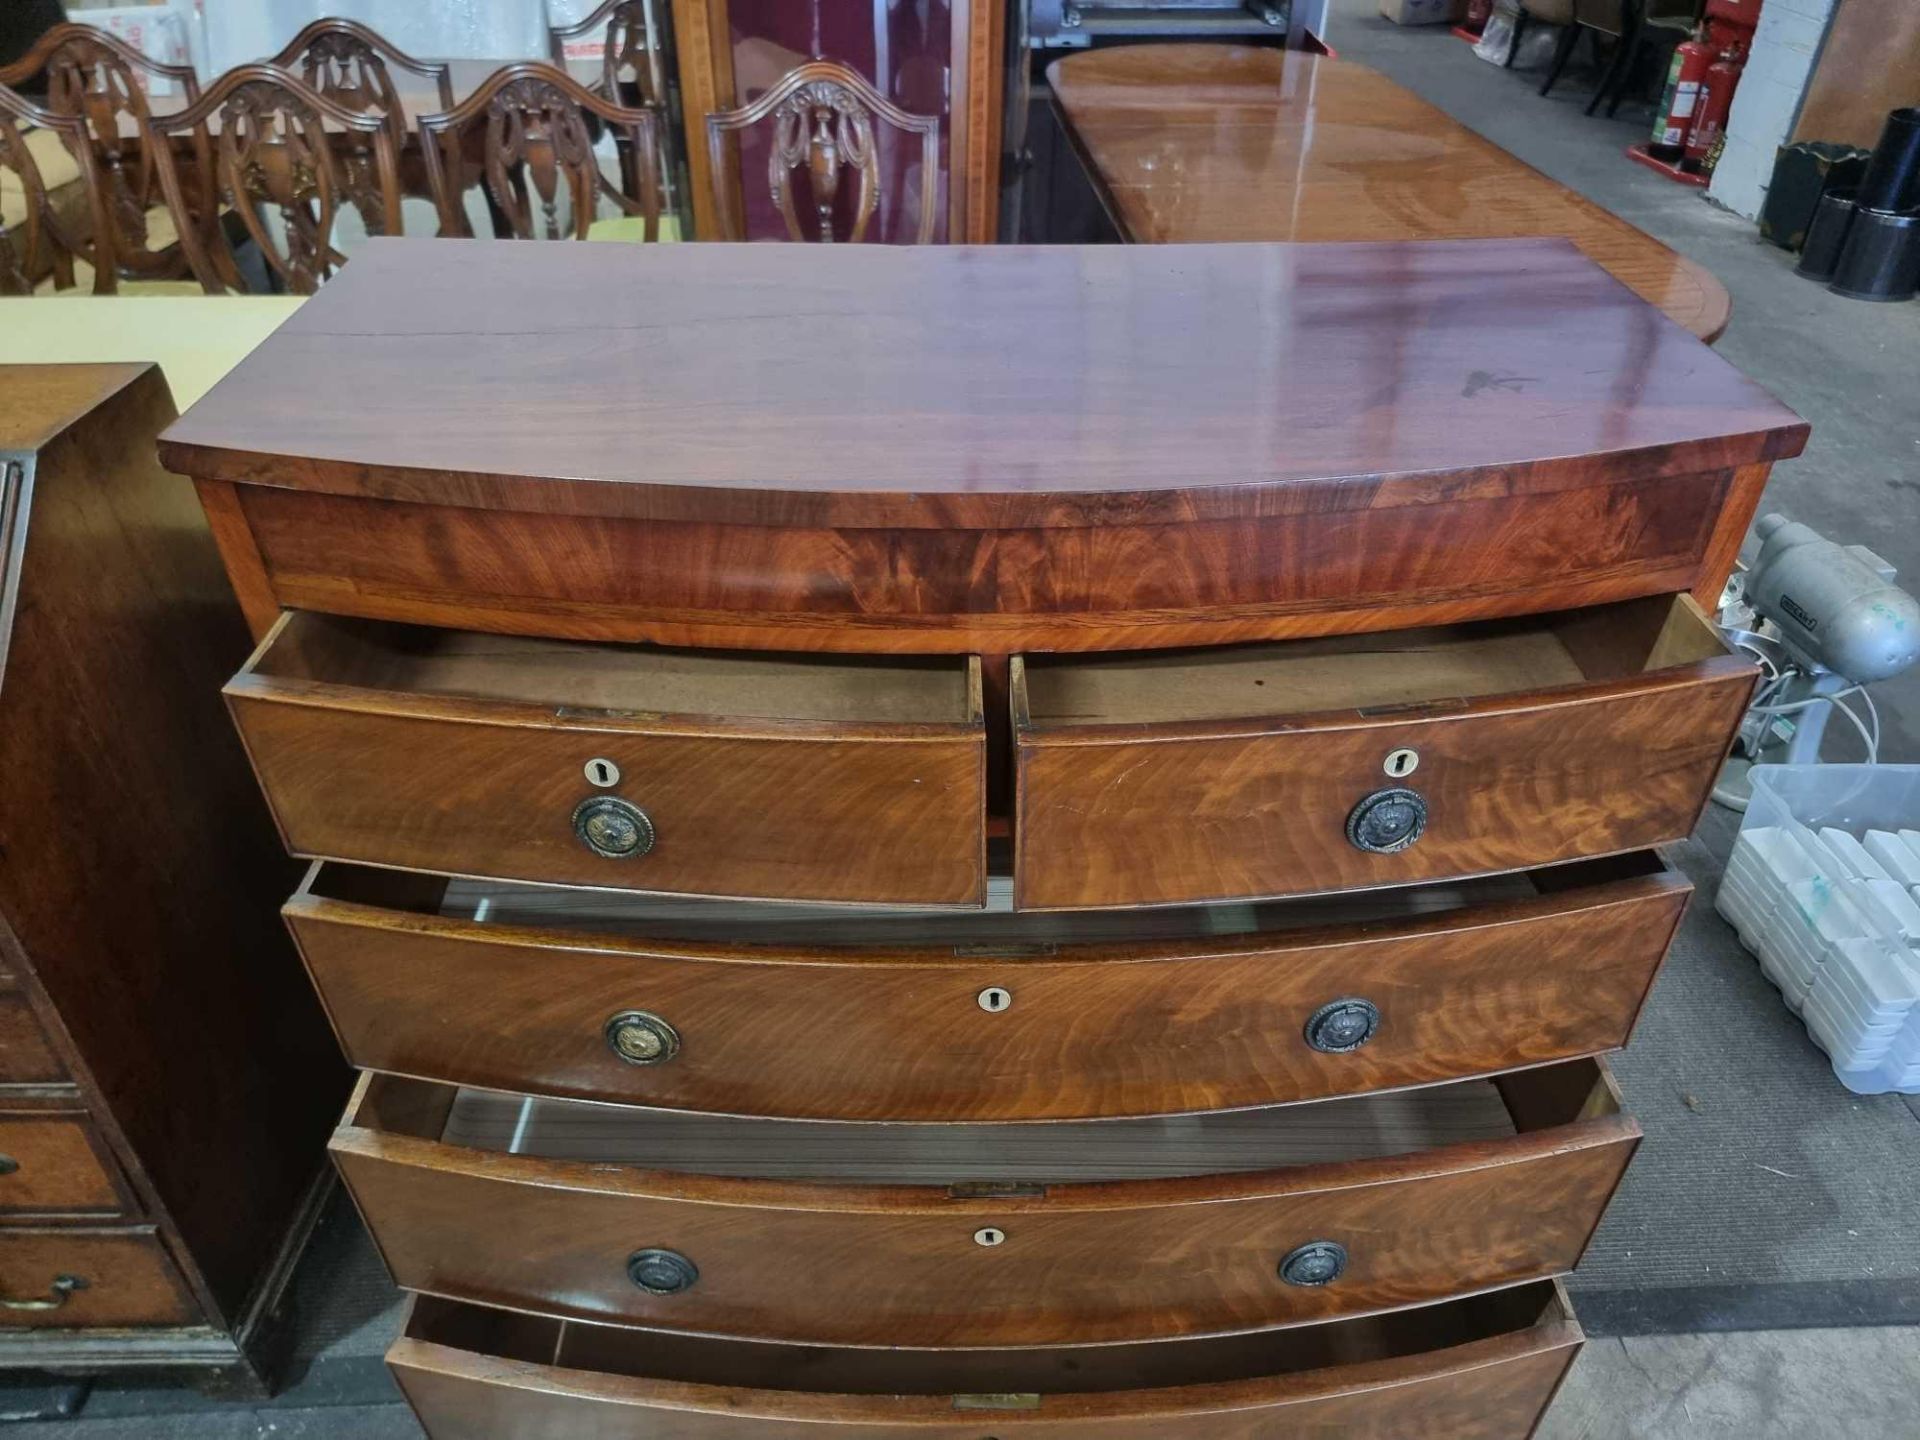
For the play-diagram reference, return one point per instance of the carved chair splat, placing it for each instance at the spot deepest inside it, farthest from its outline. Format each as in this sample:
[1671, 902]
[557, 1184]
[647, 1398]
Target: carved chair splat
[823, 115]
[95, 75]
[276, 147]
[532, 124]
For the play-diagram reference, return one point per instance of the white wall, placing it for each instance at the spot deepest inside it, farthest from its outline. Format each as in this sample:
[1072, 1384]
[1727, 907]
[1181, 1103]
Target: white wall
[1767, 103]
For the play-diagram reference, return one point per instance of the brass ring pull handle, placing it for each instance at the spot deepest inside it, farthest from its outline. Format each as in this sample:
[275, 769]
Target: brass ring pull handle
[613, 828]
[642, 1039]
[58, 1294]
[1387, 821]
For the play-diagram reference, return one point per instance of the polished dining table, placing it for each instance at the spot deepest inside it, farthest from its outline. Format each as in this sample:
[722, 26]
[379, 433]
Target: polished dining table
[1217, 142]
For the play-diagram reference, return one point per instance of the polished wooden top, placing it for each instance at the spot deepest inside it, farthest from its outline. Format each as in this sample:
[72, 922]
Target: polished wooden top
[1227, 142]
[970, 386]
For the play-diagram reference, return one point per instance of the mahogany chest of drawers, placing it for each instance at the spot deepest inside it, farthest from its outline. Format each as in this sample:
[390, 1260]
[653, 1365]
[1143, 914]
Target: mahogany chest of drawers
[165, 1076]
[972, 843]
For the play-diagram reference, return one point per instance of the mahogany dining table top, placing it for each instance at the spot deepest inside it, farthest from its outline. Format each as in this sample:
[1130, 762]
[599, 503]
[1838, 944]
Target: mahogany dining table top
[1210, 142]
[955, 386]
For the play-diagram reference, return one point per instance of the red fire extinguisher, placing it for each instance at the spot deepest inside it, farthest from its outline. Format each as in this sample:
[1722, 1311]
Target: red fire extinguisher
[1710, 116]
[1671, 122]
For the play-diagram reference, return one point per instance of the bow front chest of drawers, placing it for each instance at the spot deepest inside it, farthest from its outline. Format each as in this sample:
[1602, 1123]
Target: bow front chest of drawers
[971, 843]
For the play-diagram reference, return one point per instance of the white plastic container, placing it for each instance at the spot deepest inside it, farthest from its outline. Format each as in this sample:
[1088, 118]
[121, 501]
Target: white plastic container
[1819, 887]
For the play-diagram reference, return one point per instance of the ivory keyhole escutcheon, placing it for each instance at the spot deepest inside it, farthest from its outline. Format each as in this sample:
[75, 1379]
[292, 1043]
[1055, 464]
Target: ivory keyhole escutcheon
[994, 999]
[1401, 763]
[989, 1236]
[602, 772]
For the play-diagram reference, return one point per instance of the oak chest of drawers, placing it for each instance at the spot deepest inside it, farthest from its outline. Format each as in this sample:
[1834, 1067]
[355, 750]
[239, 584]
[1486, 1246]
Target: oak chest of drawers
[973, 843]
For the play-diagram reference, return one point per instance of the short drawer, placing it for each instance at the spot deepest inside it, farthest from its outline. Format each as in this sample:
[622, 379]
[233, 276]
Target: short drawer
[984, 1236]
[621, 766]
[70, 1278]
[1368, 760]
[821, 1013]
[54, 1164]
[26, 1057]
[1484, 1368]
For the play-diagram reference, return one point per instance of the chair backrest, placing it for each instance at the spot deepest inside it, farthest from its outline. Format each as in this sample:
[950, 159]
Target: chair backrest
[822, 116]
[348, 63]
[526, 125]
[97, 76]
[632, 62]
[41, 229]
[278, 143]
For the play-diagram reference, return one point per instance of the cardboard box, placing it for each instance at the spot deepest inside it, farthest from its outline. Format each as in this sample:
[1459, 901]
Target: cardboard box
[1424, 12]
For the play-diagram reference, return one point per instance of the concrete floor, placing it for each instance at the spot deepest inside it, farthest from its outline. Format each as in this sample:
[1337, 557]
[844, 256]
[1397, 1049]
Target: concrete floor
[1853, 370]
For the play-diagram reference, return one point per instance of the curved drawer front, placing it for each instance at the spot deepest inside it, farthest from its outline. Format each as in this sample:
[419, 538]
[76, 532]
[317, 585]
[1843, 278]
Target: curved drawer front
[1481, 1369]
[981, 1263]
[1023, 1020]
[1368, 761]
[620, 767]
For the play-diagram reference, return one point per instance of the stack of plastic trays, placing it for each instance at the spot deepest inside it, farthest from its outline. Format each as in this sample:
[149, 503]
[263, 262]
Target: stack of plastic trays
[1834, 918]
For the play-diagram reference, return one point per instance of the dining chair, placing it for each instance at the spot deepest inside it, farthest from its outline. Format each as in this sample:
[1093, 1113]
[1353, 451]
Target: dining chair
[98, 77]
[822, 116]
[40, 152]
[633, 71]
[530, 121]
[1654, 22]
[349, 64]
[280, 146]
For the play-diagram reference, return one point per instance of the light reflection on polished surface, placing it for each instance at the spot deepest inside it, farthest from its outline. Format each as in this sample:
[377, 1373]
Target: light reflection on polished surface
[1225, 142]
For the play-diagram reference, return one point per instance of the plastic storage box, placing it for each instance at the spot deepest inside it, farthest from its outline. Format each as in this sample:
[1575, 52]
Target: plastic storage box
[1824, 887]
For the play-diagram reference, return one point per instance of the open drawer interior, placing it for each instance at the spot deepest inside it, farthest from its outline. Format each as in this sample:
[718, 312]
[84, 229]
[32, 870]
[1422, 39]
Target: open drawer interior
[665, 1356]
[1370, 673]
[312, 649]
[1333, 1131]
[997, 931]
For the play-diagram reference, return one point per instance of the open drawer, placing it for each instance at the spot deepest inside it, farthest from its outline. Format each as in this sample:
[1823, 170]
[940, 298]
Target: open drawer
[1367, 760]
[818, 1012]
[623, 766]
[1484, 1367]
[984, 1236]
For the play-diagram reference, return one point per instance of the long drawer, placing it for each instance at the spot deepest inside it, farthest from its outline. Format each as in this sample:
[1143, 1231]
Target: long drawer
[819, 1013]
[1367, 760]
[27, 1058]
[70, 1277]
[984, 1236]
[1478, 1369]
[626, 767]
[53, 1163]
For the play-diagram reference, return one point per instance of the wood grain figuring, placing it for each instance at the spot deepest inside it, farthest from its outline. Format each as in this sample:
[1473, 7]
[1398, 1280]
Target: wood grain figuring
[1138, 1027]
[1353, 557]
[129, 1279]
[1278, 377]
[1476, 1370]
[59, 1167]
[1211, 142]
[864, 1264]
[142, 875]
[480, 781]
[1120, 807]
